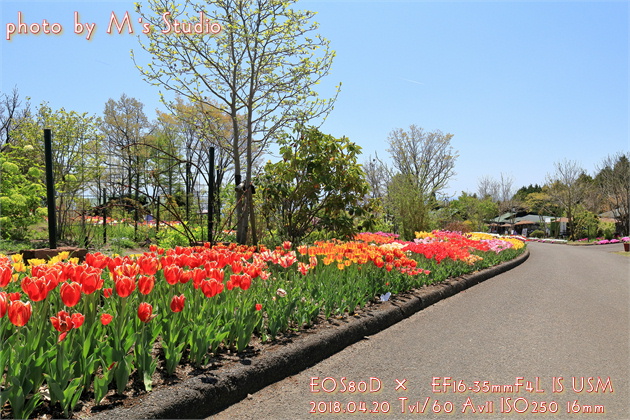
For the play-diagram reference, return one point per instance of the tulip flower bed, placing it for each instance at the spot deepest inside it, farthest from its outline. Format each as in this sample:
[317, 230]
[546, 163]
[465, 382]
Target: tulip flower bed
[70, 329]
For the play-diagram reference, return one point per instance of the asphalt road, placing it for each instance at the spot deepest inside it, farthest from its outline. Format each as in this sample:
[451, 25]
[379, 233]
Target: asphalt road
[548, 339]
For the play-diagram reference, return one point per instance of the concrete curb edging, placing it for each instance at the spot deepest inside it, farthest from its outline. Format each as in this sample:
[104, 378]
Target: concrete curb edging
[205, 395]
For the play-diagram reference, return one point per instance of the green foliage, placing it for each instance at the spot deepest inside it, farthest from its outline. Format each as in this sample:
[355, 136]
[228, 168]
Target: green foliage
[523, 192]
[21, 193]
[474, 211]
[606, 229]
[537, 234]
[585, 223]
[407, 206]
[74, 136]
[318, 185]
[170, 237]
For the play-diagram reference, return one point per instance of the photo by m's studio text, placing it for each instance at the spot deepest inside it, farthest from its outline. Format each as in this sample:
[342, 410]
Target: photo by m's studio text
[115, 24]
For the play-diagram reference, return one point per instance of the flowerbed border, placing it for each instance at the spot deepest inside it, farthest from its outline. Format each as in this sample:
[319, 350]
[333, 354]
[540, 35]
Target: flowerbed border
[205, 395]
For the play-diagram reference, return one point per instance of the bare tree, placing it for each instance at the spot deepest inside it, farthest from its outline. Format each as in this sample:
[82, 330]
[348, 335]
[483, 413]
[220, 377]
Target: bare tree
[126, 126]
[567, 188]
[261, 69]
[10, 115]
[377, 176]
[613, 180]
[488, 187]
[428, 157]
[423, 164]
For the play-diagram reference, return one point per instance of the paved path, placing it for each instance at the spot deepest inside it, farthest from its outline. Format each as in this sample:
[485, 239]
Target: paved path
[564, 313]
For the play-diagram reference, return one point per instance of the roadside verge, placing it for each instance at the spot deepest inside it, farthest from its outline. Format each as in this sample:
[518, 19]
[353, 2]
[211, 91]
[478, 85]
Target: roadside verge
[207, 394]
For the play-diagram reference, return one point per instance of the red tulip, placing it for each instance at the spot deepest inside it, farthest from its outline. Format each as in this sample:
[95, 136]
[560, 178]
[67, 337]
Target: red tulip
[19, 312]
[172, 274]
[303, 268]
[91, 280]
[216, 274]
[35, 287]
[145, 284]
[4, 303]
[77, 320]
[259, 307]
[145, 312]
[70, 293]
[148, 264]
[230, 284]
[107, 292]
[177, 303]
[211, 287]
[246, 281]
[97, 260]
[128, 269]
[106, 319]
[237, 267]
[62, 322]
[186, 276]
[198, 274]
[6, 272]
[124, 286]
[112, 263]
[253, 270]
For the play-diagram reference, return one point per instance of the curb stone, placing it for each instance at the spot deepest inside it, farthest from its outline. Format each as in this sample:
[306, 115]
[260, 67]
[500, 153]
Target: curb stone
[207, 394]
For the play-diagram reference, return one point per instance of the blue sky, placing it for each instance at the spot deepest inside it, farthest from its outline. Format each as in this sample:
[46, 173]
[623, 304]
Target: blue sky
[520, 85]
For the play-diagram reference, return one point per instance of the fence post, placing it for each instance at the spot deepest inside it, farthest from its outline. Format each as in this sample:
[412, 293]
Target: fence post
[104, 215]
[210, 194]
[50, 190]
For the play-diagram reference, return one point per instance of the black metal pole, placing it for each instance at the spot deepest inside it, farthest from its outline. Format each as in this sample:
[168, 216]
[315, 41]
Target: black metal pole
[104, 216]
[188, 191]
[210, 194]
[50, 190]
[157, 222]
